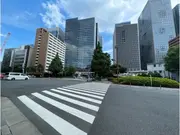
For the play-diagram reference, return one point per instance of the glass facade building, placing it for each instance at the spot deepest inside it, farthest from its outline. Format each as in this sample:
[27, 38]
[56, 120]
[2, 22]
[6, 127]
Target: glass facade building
[176, 15]
[80, 39]
[126, 49]
[57, 32]
[156, 28]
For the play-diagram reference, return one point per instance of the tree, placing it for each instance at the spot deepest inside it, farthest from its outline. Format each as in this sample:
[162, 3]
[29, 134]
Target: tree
[172, 60]
[116, 68]
[101, 62]
[69, 71]
[17, 68]
[56, 65]
[31, 69]
[40, 68]
[6, 69]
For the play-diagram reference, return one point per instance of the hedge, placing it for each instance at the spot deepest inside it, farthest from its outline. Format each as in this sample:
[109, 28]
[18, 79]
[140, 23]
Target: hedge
[145, 81]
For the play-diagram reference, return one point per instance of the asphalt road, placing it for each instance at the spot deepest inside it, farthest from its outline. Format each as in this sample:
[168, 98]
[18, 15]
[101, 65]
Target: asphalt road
[22, 87]
[124, 110]
[138, 111]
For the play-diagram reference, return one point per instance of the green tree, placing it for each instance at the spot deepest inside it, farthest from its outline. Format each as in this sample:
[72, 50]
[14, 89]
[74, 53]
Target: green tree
[56, 66]
[31, 69]
[116, 68]
[69, 71]
[40, 68]
[101, 62]
[17, 68]
[172, 60]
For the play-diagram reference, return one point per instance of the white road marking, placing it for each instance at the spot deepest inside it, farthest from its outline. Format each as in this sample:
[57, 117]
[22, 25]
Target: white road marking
[80, 114]
[90, 88]
[78, 96]
[73, 101]
[60, 125]
[93, 85]
[85, 94]
[87, 91]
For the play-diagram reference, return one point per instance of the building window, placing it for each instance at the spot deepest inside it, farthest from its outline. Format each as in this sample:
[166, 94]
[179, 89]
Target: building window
[123, 36]
[162, 30]
[154, 65]
[144, 36]
[162, 13]
[170, 37]
[162, 48]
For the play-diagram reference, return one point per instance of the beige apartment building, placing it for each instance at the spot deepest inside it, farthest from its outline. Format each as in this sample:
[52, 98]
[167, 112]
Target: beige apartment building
[46, 47]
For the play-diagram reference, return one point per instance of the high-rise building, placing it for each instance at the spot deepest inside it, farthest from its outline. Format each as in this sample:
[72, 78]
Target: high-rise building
[46, 47]
[57, 32]
[7, 58]
[100, 39]
[80, 35]
[176, 15]
[18, 57]
[126, 49]
[21, 57]
[156, 28]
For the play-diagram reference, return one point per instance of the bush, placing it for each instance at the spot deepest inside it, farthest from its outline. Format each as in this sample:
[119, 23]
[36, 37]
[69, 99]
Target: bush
[138, 80]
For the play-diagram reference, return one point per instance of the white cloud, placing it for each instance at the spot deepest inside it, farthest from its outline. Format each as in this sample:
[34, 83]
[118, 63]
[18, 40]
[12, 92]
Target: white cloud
[2, 35]
[52, 15]
[107, 45]
[109, 51]
[106, 12]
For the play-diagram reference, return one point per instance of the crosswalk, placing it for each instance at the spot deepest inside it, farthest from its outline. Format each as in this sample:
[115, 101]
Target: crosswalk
[74, 104]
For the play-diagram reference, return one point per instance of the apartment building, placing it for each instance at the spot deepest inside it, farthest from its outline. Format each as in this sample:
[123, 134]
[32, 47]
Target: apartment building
[46, 47]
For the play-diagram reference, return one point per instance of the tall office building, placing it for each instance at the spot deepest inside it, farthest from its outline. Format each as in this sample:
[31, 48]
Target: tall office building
[156, 28]
[18, 57]
[126, 49]
[176, 15]
[21, 56]
[100, 39]
[80, 35]
[57, 32]
[46, 47]
[7, 58]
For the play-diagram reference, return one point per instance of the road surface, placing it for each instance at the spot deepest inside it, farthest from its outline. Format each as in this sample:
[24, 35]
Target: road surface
[72, 107]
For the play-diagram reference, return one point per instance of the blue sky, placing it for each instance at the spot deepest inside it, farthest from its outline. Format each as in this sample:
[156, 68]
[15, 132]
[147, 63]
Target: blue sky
[22, 17]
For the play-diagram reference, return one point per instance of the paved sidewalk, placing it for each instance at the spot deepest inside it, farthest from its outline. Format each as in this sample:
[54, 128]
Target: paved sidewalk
[13, 122]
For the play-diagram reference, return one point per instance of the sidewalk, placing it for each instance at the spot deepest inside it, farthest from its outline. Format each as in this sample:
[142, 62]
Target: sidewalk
[13, 122]
[149, 87]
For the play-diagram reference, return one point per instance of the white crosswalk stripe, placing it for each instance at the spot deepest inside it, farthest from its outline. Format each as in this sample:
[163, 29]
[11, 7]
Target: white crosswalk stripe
[77, 96]
[85, 94]
[87, 91]
[62, 126]
[81, 101]
[73, 101]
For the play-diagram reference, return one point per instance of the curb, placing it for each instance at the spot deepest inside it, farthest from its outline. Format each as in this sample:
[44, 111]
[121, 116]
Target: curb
[13, 122]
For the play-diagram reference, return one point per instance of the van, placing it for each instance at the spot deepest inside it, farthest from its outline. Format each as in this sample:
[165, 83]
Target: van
[15, 76]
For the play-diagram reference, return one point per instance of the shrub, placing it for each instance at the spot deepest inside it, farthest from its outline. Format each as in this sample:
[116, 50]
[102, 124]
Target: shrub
[115, 80]
[139, 80]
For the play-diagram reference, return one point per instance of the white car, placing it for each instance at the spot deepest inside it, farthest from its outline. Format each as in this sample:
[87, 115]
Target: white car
[15, 76]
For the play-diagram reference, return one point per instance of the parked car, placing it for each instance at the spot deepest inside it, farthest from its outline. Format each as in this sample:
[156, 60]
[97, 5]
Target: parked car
[1, 75]
[15, 76]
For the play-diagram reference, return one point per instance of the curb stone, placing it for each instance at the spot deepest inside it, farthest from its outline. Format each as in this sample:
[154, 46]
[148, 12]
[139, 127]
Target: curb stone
[13, 121]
